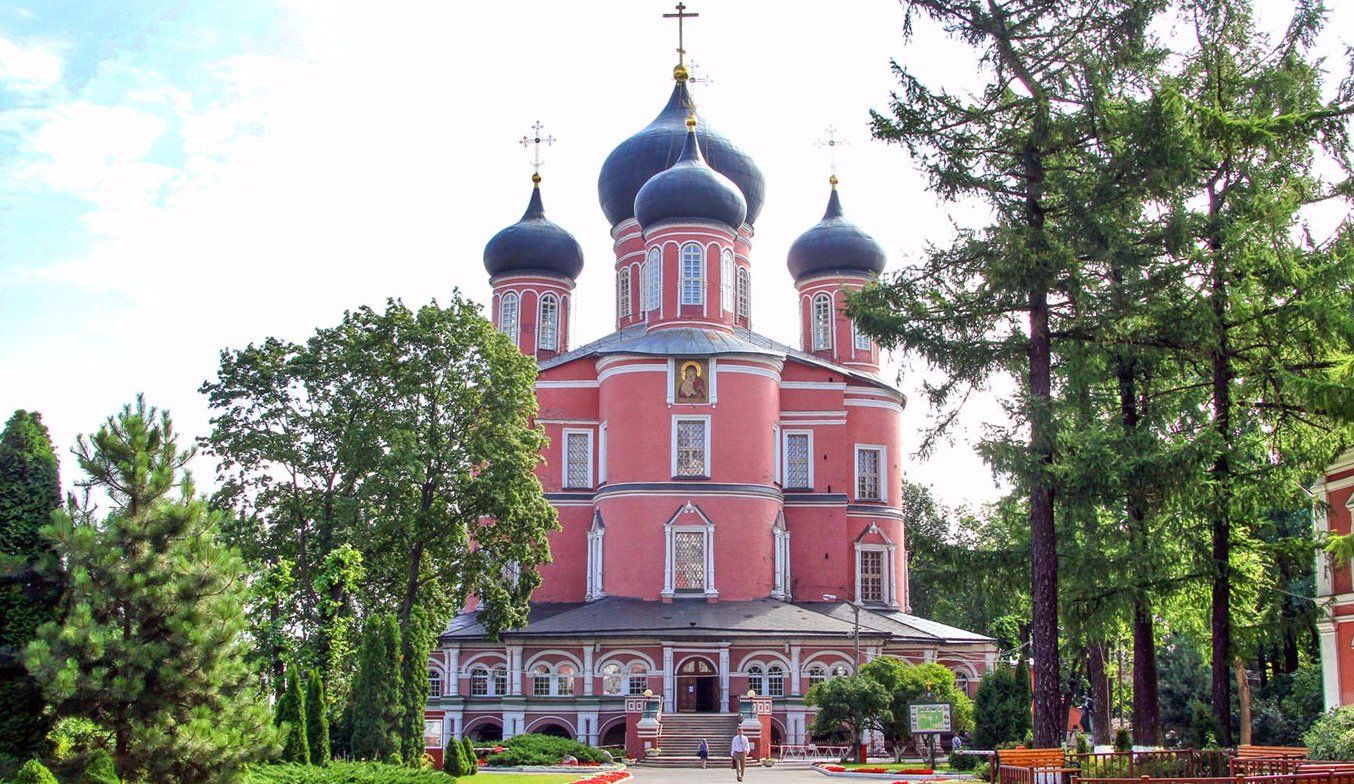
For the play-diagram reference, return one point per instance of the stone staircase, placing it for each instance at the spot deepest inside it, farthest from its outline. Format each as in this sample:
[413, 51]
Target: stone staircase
[682, 733]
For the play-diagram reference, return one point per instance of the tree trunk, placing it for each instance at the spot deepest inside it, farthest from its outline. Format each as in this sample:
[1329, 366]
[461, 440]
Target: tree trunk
[1146, 698]
[1221, 473]
[1097, 670]
[1243, 693]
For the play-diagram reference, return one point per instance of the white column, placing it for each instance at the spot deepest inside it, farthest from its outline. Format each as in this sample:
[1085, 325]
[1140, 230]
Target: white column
[723, 680]
[1330, 663]
[669, 682]
[1321, 523]
[587, 670]
[794, 673]
[515, 669]
[453, 674]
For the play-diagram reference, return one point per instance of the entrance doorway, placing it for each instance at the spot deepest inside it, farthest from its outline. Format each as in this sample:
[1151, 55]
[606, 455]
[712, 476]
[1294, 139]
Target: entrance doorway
[697, 686]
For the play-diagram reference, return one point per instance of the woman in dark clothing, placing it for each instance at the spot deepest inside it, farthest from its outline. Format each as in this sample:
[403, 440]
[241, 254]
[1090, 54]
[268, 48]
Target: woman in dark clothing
[704, 753]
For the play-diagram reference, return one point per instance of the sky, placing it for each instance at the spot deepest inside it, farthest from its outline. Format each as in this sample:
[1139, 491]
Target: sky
[179, 177]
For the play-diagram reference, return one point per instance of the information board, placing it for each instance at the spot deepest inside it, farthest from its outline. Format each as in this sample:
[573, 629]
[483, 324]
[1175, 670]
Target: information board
[931, 718]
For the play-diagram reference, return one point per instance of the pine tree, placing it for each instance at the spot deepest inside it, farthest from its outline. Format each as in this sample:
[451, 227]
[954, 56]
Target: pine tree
[453, 759]
[291, 719]
[99, 769]
[317, 719]
[416, 645]
[34, 772]
[151, 646]
[378, 712]
[30, 491]
[471, 759]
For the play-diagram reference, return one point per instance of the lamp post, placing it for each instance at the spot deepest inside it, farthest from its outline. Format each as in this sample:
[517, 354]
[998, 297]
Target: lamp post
[855, 630]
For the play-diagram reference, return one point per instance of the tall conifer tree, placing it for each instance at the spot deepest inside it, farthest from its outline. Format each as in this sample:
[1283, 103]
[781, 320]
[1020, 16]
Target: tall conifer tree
[30, 491]
[151, 645]
[378, 710]
[416, 644]
[317, 719]
[291, 718]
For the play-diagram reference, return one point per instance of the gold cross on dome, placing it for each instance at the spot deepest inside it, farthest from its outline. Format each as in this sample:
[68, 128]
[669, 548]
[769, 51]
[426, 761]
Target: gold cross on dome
[534, 140]
[681, 16]
[831, 142]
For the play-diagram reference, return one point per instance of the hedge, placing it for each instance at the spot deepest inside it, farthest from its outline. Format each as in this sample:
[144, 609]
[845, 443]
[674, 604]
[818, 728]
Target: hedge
[534, 749]
[344, 773]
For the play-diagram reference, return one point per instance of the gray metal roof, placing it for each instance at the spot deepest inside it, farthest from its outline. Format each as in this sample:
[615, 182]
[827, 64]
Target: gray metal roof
[616, 617]
[694, 341]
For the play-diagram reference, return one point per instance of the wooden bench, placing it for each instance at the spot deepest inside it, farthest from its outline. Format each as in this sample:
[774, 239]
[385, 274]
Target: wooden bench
[1022, 764]
[1253, 760]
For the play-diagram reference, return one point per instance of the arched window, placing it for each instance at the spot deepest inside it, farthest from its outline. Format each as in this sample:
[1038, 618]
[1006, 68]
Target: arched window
[507, 316]
[961, 682]
[841, 671]
[775, 681]
[693, 274]
[500, 683]
[652, 278]
[547, 331]
[726, 281]
[564, 680]
[757, 680]
[540, 681]
[479, 682]
[822, 323]
[623, 292]
[817, 674]
[862, 340]
[639, 679]
[611, 678]
[434, 683]
[744, 295]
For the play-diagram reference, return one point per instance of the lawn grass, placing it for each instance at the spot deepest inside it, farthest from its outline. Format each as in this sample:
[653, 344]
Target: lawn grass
[487, 777]
[941, 767]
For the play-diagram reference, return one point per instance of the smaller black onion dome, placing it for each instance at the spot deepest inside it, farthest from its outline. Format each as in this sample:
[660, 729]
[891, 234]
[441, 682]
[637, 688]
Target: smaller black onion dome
[690, 190]
[534, 244]
[835, 244]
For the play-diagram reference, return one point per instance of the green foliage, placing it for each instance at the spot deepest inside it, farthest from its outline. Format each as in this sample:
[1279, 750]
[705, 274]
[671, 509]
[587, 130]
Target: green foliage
[317, 719]
[99, 769]
[151, 646]
[1332, 736]
[30, 491]
[401, 431]
[344, 773]
[1123, 741]
[378, 713]
[533, 749]
[415, 646]
[291, 719]
[453, 760]
[471, 758]
[855, 703]
[915, 683]
[34, 772]
[1001, 708]
[962, 762]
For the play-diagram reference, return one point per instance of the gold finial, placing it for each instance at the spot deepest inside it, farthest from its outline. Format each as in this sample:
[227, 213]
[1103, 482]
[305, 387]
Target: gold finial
[832, 181]
[536, 179]
[691, 121]
[680, 73]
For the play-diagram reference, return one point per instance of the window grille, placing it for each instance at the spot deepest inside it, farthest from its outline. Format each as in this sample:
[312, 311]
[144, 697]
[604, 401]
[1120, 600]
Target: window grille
[871, 565]
[867, 475]
[578, 455]
[691, 458]
[797, 460]
[549, 327]
[822, 323]
[688, 556]
[693, 275]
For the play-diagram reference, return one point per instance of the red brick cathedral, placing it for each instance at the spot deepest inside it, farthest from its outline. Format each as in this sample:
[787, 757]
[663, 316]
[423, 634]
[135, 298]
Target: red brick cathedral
[728, 504]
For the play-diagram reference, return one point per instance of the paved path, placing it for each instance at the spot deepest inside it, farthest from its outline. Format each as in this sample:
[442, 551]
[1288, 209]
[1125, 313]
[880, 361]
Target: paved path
[723, 774]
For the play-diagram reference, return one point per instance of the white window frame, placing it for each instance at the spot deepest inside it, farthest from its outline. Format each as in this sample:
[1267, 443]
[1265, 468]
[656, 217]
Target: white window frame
[883, 472]
[757, 679]
[567, 433]
[886, 578]
[815, 673]
[744, 294]
[651, 278]
[596, 542]
[785, 460]
[670, 567]
[821, 325]
[704, 418]
[435, 677]
[610, 670]
[863, 342]
[601, 454]
[776, 455]
[781, 542]
[623, 292]
[495, 680]
[511, 327]
[692, 287]
[727, 280]
[547, 327]
[775, 674]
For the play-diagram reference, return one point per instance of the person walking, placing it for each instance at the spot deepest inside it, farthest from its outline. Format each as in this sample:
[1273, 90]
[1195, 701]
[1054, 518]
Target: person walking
[738, 752]
[703, 751]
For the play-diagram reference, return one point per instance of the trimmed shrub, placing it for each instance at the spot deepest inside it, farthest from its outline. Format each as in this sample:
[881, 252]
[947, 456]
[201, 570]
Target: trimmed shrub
[317, 719]
[99, 769]
[1332, 736]
[472, 759]
[453, 759]
[1122, 740]
[960, 761]
[291, 717]
[532, 749]
[34, 772]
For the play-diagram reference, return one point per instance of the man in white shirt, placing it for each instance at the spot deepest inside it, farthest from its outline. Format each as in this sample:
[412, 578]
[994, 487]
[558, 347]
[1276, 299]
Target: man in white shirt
[738, 750]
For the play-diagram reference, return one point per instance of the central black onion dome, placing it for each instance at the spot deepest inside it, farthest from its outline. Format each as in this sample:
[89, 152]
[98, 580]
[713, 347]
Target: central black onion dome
[690, 190]
[835, 244]
[534, 244]
[658, 146]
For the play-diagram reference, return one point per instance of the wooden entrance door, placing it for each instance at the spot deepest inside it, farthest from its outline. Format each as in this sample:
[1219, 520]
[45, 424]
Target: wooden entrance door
[697, 683]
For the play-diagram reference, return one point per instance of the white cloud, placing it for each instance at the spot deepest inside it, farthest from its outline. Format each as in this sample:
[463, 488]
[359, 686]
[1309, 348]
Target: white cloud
[31, 67]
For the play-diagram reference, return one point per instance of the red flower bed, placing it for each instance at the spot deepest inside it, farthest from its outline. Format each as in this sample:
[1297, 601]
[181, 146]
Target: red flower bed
[834, 769]
[605, 778]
